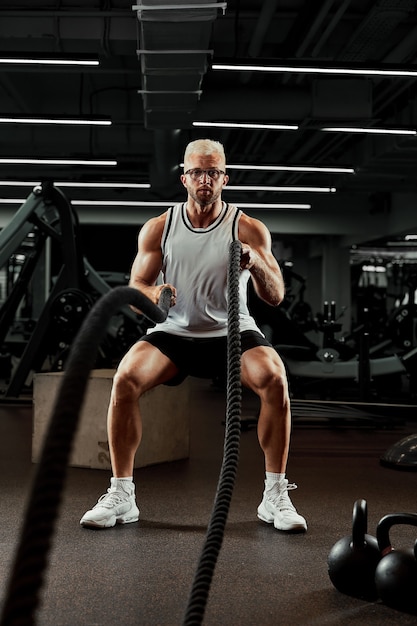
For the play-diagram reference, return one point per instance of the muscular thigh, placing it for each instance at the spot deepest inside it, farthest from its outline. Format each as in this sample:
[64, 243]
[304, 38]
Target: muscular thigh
[260, 365]
[146, 366]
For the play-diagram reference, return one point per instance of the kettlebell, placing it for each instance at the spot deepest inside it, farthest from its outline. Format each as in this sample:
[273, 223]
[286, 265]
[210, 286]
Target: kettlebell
[396, 573]
[353, 559]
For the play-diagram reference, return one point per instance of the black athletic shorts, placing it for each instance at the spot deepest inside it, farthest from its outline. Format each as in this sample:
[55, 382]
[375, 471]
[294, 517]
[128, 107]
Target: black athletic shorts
[204, 358]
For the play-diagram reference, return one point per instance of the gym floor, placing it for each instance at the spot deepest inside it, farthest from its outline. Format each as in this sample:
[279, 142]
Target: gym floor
[141, 573]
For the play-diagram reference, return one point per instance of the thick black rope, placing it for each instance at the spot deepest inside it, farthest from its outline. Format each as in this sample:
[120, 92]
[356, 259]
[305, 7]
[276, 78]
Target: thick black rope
[215, 532]
[22, 598]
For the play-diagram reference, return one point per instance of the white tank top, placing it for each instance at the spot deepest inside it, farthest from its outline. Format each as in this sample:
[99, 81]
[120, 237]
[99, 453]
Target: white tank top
[195, 261]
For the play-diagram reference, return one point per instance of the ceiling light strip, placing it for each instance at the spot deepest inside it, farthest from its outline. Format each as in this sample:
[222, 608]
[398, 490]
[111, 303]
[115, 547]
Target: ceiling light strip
[39, 120]
[252, 125]
[293, 168]
[75, 185]
[370, 131]
[315, 70]
[139, 203]
[14, 61]
[97, 202]
[248, 205]
[279, 205]
[290, 168]
[13, 161]
[273, 188]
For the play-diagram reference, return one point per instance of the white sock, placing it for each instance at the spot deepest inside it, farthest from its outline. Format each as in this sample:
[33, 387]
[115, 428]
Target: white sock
[121, 481]
[272, 479]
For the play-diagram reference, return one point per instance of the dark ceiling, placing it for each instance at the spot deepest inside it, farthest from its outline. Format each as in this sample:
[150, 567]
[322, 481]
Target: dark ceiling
[155, 78]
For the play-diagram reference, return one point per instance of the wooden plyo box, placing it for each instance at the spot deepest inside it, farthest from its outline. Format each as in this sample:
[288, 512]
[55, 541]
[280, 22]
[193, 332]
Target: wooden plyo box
[165, 412]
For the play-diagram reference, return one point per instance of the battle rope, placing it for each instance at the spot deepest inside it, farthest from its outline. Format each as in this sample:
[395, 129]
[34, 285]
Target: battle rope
[31, 558]
[214, 536]
[26, 580]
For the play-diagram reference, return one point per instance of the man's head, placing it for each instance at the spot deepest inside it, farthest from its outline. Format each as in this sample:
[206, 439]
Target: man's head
[204, 171]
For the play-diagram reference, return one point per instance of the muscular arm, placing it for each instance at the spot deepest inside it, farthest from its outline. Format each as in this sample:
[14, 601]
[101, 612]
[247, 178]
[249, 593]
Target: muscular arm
[257, 257]
[148, 261]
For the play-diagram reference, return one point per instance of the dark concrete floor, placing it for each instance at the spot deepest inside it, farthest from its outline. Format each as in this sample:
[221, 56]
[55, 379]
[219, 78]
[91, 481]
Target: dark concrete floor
[142, 573]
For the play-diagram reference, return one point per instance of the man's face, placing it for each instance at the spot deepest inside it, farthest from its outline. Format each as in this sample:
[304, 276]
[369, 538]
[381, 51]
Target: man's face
[203, 188]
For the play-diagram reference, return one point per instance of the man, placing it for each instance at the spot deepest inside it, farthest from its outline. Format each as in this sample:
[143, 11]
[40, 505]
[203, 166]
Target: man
[190, 245]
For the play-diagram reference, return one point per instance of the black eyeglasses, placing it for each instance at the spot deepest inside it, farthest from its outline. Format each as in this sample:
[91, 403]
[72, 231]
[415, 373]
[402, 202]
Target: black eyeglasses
[196, 173]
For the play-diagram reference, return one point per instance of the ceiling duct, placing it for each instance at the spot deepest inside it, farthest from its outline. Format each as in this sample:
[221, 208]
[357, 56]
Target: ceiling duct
[173, 51]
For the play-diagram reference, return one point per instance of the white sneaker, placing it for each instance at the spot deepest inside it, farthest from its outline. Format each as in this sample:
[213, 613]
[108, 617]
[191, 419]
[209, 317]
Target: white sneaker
[277, 508]
[117, 506]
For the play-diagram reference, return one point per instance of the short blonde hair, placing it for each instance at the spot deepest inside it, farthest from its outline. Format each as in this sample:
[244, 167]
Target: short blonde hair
[204, 147]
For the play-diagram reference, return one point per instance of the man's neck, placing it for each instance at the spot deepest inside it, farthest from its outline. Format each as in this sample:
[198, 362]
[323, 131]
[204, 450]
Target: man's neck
[201, 216]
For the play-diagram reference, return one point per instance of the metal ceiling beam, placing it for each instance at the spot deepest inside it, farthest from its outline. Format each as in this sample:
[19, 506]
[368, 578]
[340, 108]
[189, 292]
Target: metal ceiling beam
[173, 50]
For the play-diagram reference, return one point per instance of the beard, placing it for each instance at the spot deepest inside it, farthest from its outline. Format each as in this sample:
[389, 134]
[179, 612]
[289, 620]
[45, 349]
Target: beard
[204, 196]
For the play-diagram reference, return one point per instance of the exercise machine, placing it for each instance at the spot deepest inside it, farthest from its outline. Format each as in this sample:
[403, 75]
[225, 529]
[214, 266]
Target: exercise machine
[49, 288]
[329, 362]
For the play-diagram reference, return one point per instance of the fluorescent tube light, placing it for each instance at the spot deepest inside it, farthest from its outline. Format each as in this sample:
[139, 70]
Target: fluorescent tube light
[252, 125]
[272, 188]
[279, 205]
[370, 131]
[290, 168]
[140, 203]
[122, 203]
[14, 61]
[97, 202]
[16, 161]
[313, 70]
[39, 120]
[248, 205]
[105, 185]
[75, 185]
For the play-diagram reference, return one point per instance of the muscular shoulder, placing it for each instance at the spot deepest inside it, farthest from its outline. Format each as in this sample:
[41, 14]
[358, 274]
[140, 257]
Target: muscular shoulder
[253, 231]
[151, 232]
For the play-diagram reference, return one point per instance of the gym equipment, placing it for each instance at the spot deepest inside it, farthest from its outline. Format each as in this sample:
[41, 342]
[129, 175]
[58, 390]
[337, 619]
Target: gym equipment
[402, 322]
[214, 537]
[22, 594]
[402, 454]
[396, 573]
[353, 559]
[31, 559]
[329, 362]
[50, 289]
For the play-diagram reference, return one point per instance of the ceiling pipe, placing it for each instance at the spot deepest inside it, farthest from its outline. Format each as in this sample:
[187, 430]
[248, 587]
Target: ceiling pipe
[330, 27]
[261, 28]
[314, 28]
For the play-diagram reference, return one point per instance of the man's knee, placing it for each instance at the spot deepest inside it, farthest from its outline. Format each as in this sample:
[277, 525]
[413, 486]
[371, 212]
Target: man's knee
[276, 381]
[125, 386]
[263, 368]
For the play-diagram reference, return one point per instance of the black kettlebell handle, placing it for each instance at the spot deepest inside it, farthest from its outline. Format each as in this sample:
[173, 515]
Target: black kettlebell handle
[384, 526]
[359, 523]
